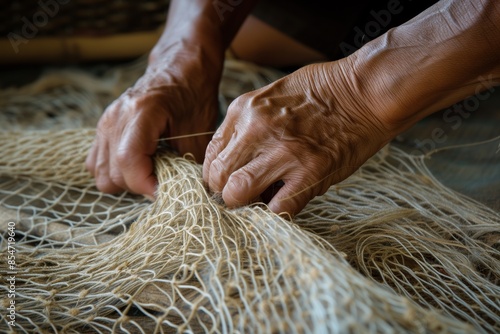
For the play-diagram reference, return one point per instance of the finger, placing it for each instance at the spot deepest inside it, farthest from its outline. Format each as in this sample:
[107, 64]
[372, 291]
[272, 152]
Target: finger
[253, 179]
[222, 137]
[293, 196]
[236, 155]
[133, 163]
[136, 171]
[115, 169]
[90, 161]
[218, 143]
[215, 146]
[102, 177]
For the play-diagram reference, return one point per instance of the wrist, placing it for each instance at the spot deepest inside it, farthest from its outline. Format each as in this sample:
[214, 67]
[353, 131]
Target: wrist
[183, 64]
[420, 67]
[359, 101]
[191, 26]
[335, 93]
[194, 41]
[378, 84]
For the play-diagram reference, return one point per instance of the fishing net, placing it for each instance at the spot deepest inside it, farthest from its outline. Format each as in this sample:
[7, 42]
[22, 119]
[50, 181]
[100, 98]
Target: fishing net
[388, 250]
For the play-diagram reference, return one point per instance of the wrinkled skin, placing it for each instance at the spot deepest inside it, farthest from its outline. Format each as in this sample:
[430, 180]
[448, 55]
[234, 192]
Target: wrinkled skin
[171, 99]
[316, 126]
[308, 130]
[297, 136]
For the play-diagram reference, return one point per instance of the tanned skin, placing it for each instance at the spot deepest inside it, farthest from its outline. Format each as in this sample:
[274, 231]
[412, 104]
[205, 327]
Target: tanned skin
[310, 129]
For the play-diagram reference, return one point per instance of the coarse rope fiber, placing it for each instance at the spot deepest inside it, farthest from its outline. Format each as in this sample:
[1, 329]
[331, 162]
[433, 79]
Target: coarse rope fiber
[388, 250]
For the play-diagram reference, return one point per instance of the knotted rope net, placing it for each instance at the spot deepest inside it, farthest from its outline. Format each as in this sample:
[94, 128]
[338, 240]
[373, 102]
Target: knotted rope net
[388, 250]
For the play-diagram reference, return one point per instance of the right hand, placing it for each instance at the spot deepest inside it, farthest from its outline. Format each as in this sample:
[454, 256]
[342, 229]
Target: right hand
[291, 140]
[174, 98]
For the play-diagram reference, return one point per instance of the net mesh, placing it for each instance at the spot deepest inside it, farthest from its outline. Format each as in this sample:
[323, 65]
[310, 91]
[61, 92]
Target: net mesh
[390, 249]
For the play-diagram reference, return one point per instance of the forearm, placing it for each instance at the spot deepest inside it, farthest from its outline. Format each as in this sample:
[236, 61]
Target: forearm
[445, 54]
[204, 26]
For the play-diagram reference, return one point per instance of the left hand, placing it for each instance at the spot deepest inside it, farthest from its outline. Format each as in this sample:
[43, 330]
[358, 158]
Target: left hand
[309, 130]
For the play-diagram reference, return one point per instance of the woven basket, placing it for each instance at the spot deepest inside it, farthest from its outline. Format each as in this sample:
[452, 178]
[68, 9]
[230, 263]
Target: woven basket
[74, 30]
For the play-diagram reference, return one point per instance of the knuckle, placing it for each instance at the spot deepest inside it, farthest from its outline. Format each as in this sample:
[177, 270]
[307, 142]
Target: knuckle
[232, 195]
[239, 182]
[212, 149]
[237, 189]
[218, 175]
[116, 178]
[107, 118]
[212, 163]
[103, 131]
[235, 104]
[123, 157]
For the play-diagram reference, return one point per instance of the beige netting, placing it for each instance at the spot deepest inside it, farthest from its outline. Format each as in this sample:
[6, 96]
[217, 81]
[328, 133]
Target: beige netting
[388, 250]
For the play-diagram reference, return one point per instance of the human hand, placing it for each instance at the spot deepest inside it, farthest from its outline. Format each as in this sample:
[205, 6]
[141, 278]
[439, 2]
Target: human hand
[301, 134]
[175, 97]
